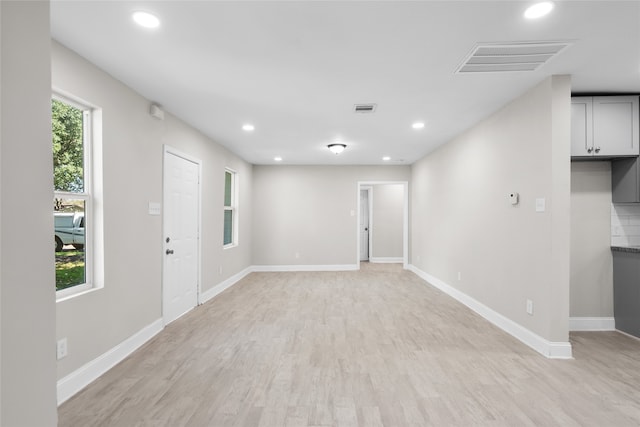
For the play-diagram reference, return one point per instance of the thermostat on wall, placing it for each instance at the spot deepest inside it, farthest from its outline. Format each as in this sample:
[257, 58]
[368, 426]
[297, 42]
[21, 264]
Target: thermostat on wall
[513, 198]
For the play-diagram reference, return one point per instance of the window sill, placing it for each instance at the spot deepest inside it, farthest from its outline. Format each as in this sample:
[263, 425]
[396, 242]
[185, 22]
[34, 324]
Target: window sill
[229, 246]
[77, 292]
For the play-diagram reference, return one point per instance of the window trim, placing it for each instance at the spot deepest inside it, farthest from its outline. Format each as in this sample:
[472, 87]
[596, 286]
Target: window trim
[88, 141]
[233, 207]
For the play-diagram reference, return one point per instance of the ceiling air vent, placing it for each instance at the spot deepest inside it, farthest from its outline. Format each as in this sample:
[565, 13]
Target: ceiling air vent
[364, 108]
[500, 57]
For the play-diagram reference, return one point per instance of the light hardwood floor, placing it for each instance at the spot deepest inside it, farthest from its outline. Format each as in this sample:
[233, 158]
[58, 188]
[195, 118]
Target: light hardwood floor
[377, 347]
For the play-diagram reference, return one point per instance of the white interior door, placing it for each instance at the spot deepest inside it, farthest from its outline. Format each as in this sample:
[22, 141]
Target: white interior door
[181, 235]
[364, 224]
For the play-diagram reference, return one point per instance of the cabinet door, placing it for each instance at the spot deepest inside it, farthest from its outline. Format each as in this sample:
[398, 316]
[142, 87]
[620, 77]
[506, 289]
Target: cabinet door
[626, 292]
[615, 126]
[581, 129]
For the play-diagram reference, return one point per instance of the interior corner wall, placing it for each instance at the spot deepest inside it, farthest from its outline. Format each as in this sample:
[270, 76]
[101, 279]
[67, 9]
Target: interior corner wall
[132, 157]
[388, 221]
[591, 260]
[27, 308]
[307, 215]
[467, 234]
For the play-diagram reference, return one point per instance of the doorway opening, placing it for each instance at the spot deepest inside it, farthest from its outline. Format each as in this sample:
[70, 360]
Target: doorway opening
[383, 222]
[365, 212]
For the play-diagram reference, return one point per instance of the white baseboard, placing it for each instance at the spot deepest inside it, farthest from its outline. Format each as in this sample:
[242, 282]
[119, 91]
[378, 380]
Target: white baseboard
[628, 335]
[220, 287]
[281, 268]
[82, 377]
[592, 324]
[386, 260]
[552, 350]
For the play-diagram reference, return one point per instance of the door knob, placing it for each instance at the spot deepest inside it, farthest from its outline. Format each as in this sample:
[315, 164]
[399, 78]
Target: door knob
[169, 251]
[597, 149]
[589, 150]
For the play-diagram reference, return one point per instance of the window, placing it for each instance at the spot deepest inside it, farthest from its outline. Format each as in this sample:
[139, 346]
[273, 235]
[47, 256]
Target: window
[72, 204]
[230, 235]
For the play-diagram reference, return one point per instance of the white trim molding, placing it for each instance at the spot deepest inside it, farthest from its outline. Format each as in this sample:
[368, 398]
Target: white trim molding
[552, 350]
[628, 335]
[592, 324]
[82, 377]
[283, 268]
[222, 286]
[386, 260]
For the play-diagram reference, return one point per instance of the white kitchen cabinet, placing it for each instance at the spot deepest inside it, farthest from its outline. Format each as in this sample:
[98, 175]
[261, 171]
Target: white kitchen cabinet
[605, 126]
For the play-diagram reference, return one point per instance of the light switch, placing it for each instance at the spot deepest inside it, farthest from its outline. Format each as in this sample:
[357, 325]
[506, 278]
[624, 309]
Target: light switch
[154, 208]
[540, 204]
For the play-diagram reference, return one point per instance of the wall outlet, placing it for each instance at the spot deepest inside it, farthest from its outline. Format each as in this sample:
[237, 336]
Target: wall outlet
[530, 307]
[61, 349]
[459, 276]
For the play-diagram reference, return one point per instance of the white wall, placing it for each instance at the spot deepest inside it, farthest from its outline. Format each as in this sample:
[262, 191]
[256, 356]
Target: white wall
[306, 211]
[462, 220]
[591, 260]
[27, 310]
[132, 150]
[388, 221]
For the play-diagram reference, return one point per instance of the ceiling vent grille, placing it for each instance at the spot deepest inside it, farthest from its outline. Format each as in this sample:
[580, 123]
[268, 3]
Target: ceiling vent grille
[364, 108]
[501, 57]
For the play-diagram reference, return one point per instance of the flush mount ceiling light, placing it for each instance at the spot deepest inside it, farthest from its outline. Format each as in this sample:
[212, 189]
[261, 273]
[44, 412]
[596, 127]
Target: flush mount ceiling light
[386, 158]
[248, 127]
[146, 19]
[417, 125]
[277, 159]
[336, 148]
[538, 10]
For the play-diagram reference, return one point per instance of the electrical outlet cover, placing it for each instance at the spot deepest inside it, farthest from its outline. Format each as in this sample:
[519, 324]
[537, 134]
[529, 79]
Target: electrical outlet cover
[61, 348]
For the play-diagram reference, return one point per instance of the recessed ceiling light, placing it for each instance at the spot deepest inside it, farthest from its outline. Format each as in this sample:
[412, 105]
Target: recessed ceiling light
[146, 19]
[277, 159]
[248, 127]
[417, 125]
[538, 10]
[336, 148]
[386, 158]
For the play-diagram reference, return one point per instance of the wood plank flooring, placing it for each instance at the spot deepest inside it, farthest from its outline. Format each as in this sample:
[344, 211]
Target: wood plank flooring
[376, 347]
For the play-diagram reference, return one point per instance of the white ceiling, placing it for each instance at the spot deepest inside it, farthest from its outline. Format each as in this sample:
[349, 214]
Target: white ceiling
[295, 69]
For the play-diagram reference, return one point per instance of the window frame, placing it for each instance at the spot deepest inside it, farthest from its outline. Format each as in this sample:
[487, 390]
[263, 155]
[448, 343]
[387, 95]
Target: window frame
[86, 196]
[232, 207]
